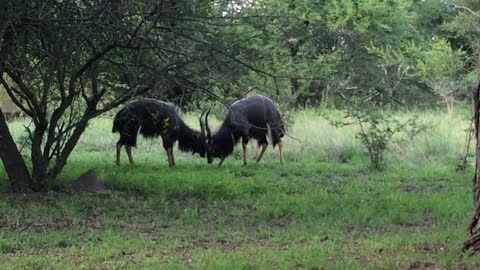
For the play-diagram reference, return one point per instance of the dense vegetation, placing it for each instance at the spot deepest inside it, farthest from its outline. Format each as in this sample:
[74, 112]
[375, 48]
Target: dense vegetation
[375, 95]
[64, 63]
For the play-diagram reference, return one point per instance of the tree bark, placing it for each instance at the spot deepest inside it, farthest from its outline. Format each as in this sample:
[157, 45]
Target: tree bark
[18, 175]
[472, 245]
[294, 85]
[13, 161]
[39, 165]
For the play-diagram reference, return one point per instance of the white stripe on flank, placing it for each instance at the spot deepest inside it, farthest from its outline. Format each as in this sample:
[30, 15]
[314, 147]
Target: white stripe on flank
[269, 134]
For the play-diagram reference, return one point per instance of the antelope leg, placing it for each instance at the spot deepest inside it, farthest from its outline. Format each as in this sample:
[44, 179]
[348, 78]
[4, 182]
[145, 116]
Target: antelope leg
[280, 150]
[244, 153]
[172, 156]
[129, 154]
[119, 148]
[169, 157]
[264, 147]
[221, 162]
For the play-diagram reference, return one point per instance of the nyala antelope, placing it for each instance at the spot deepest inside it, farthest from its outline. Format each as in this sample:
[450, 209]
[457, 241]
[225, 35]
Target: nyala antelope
[254, 117]
[153, 118]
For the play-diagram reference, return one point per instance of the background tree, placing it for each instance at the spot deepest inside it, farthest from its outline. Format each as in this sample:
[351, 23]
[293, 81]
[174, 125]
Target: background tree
[466, 26]
[441, 68]
[75, 60]
[472, 245]
[398, 67]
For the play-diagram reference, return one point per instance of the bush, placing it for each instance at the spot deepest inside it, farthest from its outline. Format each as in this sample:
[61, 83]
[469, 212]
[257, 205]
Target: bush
[376, 131]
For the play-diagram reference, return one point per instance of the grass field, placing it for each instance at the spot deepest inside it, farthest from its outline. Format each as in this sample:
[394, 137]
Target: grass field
[324, 209]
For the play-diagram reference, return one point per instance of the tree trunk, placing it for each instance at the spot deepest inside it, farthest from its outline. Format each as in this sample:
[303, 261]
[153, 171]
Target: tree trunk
[294, 85]
[13, 161]
[69, 146]
[449, 100]
[39, 165]
[472, 245]
[18, 175]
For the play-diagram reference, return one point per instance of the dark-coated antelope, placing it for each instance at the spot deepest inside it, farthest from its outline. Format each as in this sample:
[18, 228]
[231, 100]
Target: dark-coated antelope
[153, 118]
[254, 117]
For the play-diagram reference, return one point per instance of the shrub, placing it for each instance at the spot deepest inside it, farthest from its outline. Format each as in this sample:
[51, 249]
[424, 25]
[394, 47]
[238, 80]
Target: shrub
[376, 131]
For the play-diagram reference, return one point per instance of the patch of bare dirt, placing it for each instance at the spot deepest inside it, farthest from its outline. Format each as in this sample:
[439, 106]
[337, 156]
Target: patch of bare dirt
[93, 222]
[411, 187]
[51, 219]
[301, 267]
[426, 223]
[42, 225]
[461, 266]
[25, 200]
[223, 245]
[430, 248]
[423, 266]
[436, 186]
[54, 224]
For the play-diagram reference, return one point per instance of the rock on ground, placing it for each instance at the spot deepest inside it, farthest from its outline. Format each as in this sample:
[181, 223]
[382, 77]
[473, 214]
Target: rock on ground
[89, 182]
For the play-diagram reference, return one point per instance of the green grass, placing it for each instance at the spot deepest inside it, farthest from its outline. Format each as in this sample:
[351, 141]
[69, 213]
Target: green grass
[324, 209]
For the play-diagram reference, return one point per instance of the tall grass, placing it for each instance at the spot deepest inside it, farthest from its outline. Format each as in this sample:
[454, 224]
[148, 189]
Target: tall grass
[310, 136]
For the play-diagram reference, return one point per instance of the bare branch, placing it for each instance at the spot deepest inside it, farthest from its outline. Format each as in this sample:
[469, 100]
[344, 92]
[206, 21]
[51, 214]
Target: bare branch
[10, 91]
[455, 6]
